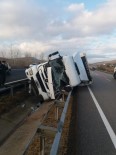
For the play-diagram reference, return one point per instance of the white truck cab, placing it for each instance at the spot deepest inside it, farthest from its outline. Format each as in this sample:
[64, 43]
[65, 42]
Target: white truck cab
[38, 75]
[48, 79]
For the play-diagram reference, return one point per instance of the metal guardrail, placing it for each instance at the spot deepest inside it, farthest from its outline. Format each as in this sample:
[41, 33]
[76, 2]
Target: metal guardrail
[55, 145]
[11, 85]
[17, 81]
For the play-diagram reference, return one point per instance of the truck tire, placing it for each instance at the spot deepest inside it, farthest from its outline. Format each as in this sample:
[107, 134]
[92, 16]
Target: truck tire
[114, 75]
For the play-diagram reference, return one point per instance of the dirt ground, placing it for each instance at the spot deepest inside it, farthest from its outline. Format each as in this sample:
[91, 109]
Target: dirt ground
[8, 102]
[66, 146]
[107, 69]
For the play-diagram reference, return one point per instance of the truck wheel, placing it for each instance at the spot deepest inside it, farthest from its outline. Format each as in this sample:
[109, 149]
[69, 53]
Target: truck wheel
[115, 75]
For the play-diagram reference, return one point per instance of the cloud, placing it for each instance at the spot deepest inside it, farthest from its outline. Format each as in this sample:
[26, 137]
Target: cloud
[82, 23]
[22, 20]
[76, 7]
[26, 19]
[68, 28]
[92, 23]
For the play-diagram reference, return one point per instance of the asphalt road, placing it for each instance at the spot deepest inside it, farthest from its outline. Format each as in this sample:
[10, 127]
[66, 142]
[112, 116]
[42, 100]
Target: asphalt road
[94, 135]
[16, 74]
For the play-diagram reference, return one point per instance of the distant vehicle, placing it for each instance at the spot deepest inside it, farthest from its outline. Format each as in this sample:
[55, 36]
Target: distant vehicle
[114, 75]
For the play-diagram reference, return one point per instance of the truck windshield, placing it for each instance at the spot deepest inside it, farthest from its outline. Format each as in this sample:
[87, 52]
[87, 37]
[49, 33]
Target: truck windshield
[60, 78]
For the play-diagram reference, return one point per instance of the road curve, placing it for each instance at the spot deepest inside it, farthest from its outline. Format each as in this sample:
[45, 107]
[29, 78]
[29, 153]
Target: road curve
[92, 135]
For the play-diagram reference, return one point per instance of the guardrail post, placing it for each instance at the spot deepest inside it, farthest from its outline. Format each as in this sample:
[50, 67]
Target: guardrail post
[58, 104]
[64, 94]
[43, 132]
[63, 98]
[56, 112]
[25, 86]
[42, 145]
[30, 87]
[11, 91]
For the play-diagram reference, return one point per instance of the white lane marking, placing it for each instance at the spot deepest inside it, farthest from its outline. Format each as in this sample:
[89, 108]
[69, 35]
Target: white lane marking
[104, 119]
[15, 81]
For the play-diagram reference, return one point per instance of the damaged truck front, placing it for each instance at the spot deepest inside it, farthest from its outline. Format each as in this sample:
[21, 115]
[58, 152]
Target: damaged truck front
[48, 79]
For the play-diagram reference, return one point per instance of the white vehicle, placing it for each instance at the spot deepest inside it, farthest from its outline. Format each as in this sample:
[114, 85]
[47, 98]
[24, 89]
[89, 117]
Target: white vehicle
[82, 68]
[48, 79]
[38, 77]
[114, 73]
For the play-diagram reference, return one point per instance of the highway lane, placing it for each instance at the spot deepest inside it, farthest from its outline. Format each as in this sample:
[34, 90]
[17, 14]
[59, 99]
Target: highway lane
[92, 135]
[104, 88]
[16, 74]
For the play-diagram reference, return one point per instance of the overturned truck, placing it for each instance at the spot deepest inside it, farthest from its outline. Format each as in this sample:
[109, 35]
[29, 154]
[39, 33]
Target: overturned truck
[48, 79]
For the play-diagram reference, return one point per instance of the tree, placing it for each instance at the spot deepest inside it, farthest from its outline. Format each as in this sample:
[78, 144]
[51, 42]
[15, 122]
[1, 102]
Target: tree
[3, 53]
[27, 54]
[41, 56]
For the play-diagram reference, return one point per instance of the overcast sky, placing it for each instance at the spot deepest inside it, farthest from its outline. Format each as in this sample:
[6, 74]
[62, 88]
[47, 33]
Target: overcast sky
[68, 26]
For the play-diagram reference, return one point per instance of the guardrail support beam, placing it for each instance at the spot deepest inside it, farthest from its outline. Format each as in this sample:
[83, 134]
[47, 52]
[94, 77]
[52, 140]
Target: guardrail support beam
[56, 113]
[11, 91]
[25, 86]
[64, 94]
[42, 145]
[58, 104]
[45, 131]
[30, 87]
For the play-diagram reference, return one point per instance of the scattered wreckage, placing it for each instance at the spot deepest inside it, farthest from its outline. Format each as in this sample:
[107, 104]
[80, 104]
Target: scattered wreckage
[60, 73]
